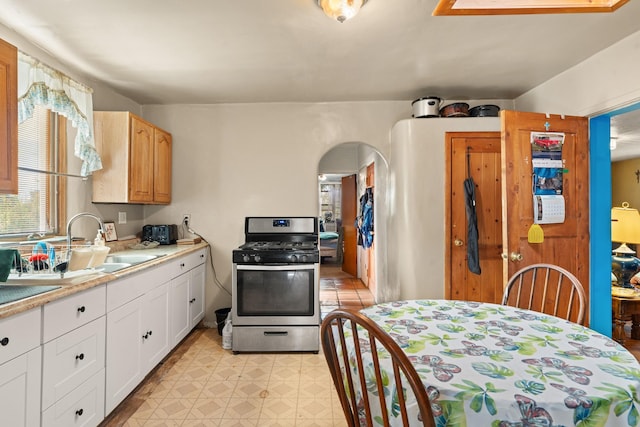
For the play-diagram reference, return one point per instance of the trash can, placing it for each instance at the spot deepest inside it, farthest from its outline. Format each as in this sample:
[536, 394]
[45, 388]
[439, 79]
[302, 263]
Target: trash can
[221, 316]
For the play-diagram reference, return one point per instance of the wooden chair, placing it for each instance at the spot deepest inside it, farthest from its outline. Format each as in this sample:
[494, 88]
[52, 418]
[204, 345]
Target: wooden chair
[346, 337]
[548, 289]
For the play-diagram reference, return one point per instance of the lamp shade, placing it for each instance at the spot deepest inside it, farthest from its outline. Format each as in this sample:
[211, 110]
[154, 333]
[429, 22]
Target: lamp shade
[625, 228]
[341, 10]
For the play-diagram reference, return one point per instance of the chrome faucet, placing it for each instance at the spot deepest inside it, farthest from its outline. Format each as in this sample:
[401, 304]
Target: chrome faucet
[72, 220]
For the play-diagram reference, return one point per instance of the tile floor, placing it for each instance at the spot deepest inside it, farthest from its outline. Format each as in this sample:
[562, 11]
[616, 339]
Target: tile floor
[200, 384]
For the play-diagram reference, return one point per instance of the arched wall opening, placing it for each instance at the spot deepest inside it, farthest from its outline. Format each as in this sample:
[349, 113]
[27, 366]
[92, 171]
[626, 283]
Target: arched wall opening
[354, 158]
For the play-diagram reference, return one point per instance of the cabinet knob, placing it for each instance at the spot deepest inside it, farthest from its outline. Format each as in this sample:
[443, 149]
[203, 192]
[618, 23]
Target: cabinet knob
[201, 256]
[81, 309]
[79, 412]
[4, 341]
[458, 242]
[182, 264]
[80, 356]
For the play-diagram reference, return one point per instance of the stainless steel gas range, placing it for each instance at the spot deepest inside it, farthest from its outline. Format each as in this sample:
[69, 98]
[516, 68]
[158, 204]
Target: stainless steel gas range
[275, 286]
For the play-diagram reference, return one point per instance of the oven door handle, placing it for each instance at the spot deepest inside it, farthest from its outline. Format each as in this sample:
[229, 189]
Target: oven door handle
[279, 267]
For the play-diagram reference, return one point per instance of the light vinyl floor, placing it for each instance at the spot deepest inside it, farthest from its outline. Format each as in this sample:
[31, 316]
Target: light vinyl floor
[200, 384]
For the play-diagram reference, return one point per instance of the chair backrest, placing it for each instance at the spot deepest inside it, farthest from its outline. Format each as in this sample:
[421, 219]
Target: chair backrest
[361, 357]
[548, 289]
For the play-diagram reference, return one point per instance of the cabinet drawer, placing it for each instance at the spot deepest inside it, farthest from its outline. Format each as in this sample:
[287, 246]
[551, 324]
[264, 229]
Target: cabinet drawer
[72, 312]
[71, 359]
[131, 287]
[192, 260]
[19, 334]
[84, 406]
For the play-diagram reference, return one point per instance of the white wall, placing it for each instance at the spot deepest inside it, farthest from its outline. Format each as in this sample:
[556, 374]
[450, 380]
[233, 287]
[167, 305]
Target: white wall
[416, 232]
[238, 160]
[603, 82]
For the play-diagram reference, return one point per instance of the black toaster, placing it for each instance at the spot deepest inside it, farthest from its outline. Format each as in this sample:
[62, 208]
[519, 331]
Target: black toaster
[163, 234]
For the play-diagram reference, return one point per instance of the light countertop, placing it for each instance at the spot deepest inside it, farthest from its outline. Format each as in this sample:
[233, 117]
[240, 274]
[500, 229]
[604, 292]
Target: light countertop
[72, 284]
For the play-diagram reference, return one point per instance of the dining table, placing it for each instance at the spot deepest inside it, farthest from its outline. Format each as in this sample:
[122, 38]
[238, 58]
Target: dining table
[494, 365]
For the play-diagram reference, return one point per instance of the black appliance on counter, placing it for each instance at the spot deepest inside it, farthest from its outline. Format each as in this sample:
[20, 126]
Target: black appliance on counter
[163, 234]
[276, 287]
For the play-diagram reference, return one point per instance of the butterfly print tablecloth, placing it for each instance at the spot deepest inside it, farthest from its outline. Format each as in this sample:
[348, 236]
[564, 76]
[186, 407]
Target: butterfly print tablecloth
[500, 366]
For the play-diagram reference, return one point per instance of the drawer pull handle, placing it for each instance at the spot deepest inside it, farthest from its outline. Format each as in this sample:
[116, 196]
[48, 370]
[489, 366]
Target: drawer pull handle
[80, 356]
[147, 335]
[81, 309]
[4, 341]
[276, 333]
[79, 412]
[191, 301]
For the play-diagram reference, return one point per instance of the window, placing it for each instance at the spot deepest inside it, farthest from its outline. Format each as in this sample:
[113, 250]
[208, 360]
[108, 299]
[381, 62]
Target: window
[36, 207]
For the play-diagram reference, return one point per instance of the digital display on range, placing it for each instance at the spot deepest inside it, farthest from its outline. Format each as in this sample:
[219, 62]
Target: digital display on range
[281, 223]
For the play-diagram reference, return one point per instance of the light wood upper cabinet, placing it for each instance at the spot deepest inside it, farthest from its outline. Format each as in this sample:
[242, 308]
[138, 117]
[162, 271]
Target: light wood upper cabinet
[8, 118]
[136, 160]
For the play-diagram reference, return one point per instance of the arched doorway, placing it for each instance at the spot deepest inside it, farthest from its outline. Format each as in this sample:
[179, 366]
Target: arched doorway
[370, 171]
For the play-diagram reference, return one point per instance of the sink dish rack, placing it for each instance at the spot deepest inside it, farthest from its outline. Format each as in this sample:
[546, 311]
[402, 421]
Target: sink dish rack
[49, 258]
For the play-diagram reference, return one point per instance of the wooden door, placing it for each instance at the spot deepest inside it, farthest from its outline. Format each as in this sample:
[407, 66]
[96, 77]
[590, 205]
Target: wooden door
[141, 161]
[565, 244]
[162, 166]
[349, 213]
[483, 152]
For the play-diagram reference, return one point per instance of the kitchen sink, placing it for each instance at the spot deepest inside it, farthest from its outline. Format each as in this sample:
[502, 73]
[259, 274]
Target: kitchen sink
[130, 259]
[110, 267]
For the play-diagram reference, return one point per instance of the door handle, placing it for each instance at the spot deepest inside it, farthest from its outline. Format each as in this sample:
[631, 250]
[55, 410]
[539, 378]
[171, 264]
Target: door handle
[458, 242]
[513, 256]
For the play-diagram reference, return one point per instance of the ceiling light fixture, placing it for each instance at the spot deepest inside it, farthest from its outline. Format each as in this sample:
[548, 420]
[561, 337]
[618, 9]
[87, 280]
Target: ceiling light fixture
[521, 7]
[341, 10]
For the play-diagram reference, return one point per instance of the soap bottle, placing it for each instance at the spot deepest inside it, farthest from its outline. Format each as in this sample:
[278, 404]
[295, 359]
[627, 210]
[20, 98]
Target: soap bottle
[227, 333]
[98, 241]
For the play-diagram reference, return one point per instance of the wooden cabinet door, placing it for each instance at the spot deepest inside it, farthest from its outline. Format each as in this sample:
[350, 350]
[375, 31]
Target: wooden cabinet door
[8, 118]
[162, 167]
[141, 161]
[565, 244]
[481, 152]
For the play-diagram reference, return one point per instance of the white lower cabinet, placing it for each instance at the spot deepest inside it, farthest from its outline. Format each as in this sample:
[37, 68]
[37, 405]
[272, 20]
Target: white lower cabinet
[187, 300]
[20, 369]
[137, 340]
[20, 390]
[84, 406]
[73, 359]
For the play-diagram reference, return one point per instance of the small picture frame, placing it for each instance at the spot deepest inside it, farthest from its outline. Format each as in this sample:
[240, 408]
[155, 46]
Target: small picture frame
[110, 232]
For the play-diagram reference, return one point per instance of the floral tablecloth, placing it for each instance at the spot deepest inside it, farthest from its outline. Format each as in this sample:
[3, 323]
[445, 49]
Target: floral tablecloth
[493, 365]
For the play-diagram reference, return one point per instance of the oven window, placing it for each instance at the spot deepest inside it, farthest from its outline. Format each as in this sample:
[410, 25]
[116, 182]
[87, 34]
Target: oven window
[275, 293]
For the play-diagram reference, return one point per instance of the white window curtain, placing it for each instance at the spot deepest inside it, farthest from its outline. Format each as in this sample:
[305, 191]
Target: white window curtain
[39, 84]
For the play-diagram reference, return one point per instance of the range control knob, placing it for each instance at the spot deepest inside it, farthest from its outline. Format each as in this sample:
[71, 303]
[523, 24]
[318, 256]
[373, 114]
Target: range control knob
[246, 258]
[304, 258]
[293, 258]
[257, 258]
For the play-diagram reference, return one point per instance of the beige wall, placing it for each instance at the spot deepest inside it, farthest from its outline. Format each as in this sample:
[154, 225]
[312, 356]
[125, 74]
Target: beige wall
[624, 183]
[233, 161]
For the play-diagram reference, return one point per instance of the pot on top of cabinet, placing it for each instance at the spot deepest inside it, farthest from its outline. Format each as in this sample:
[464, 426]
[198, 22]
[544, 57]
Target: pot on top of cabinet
[457, 109]
[428, 106]
[484, 111]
